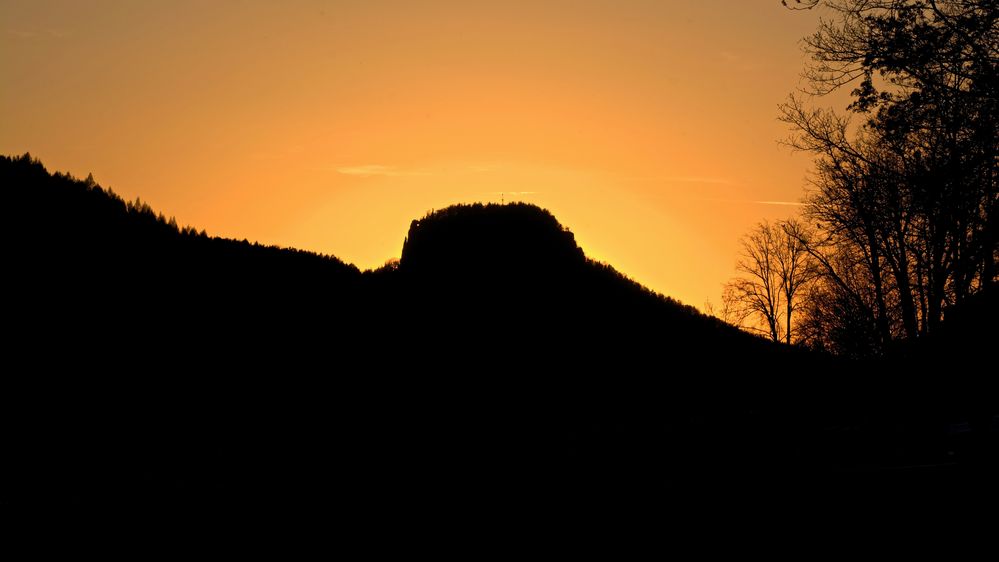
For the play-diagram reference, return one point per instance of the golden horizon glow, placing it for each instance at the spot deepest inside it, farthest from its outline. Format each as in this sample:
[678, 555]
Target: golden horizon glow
[648, 128]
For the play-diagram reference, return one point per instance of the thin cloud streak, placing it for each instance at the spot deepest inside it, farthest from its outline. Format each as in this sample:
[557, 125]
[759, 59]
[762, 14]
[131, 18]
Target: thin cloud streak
[755, 202]
[483, 168]
[698, 179]
[369, 170]
[36, 33]
[745, 201]
[687, 179]
[785, 203]
[739, 61]
[385, 170]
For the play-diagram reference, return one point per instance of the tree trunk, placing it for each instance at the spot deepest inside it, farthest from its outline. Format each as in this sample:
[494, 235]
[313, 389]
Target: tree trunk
[884, 331]
[787, 335]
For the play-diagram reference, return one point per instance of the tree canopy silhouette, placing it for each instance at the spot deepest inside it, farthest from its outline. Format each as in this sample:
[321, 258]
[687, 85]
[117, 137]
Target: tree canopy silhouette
[775, 268]
[905, 201]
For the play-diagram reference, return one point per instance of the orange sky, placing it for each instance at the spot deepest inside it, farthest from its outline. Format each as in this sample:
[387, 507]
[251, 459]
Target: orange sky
[647, 127]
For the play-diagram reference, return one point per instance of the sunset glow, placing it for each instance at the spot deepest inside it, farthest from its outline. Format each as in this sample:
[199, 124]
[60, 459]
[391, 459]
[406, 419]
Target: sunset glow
[647, 127]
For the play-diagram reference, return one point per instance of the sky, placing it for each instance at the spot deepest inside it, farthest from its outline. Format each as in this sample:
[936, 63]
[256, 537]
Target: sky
[648, 127]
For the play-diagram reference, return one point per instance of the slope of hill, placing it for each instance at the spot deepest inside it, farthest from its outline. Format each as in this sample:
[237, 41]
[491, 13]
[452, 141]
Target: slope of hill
[510, 274]
[495, 363]
[509, 282]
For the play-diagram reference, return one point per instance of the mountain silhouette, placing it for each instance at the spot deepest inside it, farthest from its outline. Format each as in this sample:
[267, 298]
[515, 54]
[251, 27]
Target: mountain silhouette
[493, 364]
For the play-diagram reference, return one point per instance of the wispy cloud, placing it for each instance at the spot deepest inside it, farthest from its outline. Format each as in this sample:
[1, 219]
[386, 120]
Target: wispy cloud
[369, 170]
[480, 168]
[36, 33]
[749, 201]
[729, 56]
[739, 61]
[699, 179]
[685, 179]
[784, 203]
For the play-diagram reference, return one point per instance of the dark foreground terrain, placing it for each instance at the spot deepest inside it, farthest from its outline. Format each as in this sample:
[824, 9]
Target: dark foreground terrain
[494, 370]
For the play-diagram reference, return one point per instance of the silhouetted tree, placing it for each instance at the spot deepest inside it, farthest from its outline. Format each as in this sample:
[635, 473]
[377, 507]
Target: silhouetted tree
[838, 310]
[775, 266]
[909, 194]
